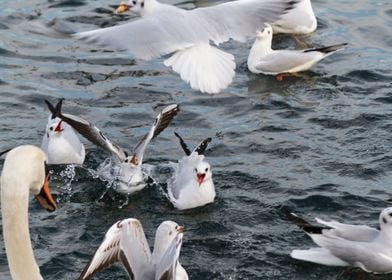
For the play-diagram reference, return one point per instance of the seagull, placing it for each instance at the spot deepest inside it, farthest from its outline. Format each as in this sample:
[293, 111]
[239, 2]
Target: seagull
[299, 20]
[263, 59]
[126, 242]
[60, 142]
[191, 184]
[125, 168]
[186, 35]
[349, 245]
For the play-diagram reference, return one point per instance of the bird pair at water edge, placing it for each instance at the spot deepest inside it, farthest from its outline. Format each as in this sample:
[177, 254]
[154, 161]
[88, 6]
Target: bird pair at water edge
[25, 170]
[190, 186]
[186, 35]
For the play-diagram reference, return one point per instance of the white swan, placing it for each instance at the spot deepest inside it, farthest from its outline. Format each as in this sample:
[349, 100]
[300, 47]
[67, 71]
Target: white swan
[23, 171]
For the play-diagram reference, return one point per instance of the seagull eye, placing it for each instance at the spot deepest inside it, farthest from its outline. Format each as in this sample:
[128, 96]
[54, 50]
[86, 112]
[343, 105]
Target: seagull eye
[206, 169]
[134, 2]
[51, 128]
[196, 170]
[390, 214]
[142, 4]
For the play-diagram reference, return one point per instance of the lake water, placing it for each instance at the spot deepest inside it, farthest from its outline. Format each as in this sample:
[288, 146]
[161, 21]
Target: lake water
[318, 144]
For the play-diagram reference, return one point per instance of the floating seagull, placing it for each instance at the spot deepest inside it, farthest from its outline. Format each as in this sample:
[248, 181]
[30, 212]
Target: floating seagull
[191, 184]
[126, 242]
[263, 59]
[299, 20]
[186, 34]
[24, 171]
[60, 142]
[125, 169]
[349, 245]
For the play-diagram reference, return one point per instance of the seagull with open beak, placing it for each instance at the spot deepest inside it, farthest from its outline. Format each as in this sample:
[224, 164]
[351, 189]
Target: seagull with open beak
[60, 142]
[191, 184]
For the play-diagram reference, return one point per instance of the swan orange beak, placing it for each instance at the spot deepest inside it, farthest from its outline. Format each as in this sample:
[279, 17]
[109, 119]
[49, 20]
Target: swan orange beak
[45, 198]
[123, 7]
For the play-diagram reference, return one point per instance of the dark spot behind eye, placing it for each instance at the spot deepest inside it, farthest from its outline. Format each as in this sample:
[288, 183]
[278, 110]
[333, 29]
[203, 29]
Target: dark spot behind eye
[142, 4]
[384, 220]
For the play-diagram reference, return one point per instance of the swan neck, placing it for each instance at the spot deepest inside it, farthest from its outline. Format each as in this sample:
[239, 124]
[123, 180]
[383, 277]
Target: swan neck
[14, 210]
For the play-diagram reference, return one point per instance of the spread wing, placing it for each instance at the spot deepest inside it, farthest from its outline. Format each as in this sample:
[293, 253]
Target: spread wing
[166, 269]
[94, 135]
[161, 122]
[201, 148]
[183, 144]
[124, 242]
[170, 29]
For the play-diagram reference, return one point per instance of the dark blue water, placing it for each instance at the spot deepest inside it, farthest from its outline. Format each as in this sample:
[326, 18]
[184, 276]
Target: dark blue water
[318, 144]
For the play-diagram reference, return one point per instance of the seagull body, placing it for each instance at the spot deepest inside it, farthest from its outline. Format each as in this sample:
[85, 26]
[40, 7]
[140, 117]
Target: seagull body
[126, 242]
[263, 59]
[186, 34]
[299, 20]
[124, 168]
[60, 142]
[191, 184]
[350, 245]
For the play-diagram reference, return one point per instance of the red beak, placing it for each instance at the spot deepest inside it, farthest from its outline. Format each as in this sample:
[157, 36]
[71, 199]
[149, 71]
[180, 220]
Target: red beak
[58, 127]
[200, 178]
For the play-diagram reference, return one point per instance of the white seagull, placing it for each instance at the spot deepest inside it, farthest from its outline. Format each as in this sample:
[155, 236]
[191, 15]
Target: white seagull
[24, 171]
[60, 142]
[349, 245]
[263, 59]
[125, 168]
[126, 242]
[186, 34]
[191, 184]
[299, 20]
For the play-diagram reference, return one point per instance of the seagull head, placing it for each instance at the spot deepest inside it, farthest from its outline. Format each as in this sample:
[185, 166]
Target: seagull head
[136, 6]
[386, 218]
[55, 127]
[202, 172]
[264, 33]
[164, 236]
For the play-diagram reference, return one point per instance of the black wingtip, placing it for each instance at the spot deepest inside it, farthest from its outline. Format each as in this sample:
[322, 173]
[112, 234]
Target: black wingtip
[183, 144]
[55, 110]
[202, 147]
[305, 225]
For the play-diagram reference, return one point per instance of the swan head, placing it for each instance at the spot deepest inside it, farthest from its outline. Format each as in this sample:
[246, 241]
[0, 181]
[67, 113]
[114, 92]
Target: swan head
[202, 172]
[266, 32]
[28, 163]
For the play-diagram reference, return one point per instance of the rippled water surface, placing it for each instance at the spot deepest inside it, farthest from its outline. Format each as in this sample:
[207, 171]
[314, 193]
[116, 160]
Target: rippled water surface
[318, 144]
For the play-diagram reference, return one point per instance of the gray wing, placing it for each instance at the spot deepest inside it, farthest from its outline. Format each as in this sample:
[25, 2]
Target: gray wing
[368, 255]
[239, 20]
[161, 122]
[171, 29]
[350, 232]
[282, 61]
[93, 134]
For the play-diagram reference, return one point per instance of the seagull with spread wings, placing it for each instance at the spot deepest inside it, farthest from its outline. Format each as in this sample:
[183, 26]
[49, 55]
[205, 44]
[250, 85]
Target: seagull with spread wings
[186, 35]
[126, 242]
[125, 168]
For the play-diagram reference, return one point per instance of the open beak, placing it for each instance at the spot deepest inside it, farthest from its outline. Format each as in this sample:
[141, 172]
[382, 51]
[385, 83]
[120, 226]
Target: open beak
[45, 198]
[58, 127]
[180, 229]
[200, 178]
[123, 7]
